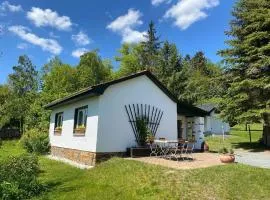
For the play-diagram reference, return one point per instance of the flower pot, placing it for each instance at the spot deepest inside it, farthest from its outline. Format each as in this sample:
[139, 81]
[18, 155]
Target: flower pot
[206, 147]
[79, 131]
[227, 158]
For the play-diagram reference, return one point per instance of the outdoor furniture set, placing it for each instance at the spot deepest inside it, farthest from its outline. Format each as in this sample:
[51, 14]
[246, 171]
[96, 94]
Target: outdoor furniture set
[172, 149]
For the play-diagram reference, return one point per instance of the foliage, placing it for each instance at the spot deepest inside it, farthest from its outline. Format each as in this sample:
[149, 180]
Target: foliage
[35, 141]
[23, 84]
[237, 139]
[151, 47]
[248, 62]
[18, 178]
[131, 59]
[224, 150]
[126, 179]
[142, 130]
[92, 70]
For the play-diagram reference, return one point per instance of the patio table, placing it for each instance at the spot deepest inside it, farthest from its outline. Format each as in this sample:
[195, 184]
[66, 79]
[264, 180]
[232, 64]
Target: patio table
[170, 148]
[165, 146]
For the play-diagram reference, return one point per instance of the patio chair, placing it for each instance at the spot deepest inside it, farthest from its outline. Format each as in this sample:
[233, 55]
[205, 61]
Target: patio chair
[182, 148]
[189, 149]
[176, 151]
[154, 149]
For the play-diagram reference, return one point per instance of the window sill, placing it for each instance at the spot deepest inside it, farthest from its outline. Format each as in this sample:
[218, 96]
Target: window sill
[79, 132]
[58, 132]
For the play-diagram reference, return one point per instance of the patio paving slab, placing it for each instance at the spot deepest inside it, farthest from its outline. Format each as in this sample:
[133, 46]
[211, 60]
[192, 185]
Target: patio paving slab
[201, 160]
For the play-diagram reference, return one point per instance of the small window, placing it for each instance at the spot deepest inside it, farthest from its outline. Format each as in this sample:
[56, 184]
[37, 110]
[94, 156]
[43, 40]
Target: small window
[58, 123]
[80, 119]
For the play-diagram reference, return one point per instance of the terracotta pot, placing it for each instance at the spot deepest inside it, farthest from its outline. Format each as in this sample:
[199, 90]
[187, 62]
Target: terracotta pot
[227, 158]
[206, 147]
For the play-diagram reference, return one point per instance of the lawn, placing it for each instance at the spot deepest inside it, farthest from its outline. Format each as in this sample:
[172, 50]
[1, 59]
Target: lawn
[124, 179]
[238, 138]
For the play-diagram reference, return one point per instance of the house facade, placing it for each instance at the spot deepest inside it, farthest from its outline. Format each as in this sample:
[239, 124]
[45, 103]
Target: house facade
[213, 124]
[98, 121]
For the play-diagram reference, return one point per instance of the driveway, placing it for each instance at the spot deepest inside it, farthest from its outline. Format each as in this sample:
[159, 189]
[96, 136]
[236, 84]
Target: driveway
[256, 159]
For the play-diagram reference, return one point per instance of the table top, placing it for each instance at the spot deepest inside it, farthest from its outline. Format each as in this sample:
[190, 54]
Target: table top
[167, 141]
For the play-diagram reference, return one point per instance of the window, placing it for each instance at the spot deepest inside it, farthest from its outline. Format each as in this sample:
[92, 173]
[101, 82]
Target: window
[80, 119]
[58, 123]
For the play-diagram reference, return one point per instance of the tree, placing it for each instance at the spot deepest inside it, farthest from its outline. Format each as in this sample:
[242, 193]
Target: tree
[4, 100]
[92, 70]
[131, 59]
[169, 61]
[248, 61]
[151, 47]
[199, 62]
[61, 80]
[24, 85]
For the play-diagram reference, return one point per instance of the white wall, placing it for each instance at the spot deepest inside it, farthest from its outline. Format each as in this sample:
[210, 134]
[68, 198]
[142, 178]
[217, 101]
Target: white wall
[214, 125]
[66, 139]
[114, 131]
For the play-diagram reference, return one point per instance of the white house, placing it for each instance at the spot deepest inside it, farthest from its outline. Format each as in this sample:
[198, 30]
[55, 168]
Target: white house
[99, 121]
[213, 124]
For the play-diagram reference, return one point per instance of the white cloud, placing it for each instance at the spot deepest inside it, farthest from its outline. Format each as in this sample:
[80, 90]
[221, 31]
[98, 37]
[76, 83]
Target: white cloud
[132, 36]
[81, 39]
[47, 17]
[51, 34]
[24, 33]
[6, 6]
[158, 2]
[124, 25]
[22, 46]
[186, 12]
[2, 27]
[79, 52]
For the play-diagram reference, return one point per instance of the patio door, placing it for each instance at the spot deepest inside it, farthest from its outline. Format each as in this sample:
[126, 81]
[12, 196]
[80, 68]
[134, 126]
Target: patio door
[179, 129]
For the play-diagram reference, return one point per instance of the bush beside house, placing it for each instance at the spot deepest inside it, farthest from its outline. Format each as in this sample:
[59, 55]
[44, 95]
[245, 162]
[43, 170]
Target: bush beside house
[35, 141]
[18, 178]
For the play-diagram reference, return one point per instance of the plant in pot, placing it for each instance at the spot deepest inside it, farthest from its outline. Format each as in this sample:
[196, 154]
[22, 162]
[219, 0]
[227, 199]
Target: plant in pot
[226, 156]
[58, 130]
[80, 129]
[142, 131]
[150, 138]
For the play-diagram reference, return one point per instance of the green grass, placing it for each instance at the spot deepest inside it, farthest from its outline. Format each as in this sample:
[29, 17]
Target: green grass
[124, 179]
[238, 139]
[10, 148]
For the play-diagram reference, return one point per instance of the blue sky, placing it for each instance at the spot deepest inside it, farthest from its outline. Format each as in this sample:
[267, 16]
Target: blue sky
[45, 28]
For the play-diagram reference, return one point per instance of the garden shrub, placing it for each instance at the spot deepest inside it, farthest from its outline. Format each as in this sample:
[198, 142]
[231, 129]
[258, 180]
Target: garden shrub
[18, 178]
[35, 141]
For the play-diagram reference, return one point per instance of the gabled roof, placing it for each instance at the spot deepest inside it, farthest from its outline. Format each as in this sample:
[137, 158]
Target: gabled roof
[190, 110]
[99, 89]
[208, 107]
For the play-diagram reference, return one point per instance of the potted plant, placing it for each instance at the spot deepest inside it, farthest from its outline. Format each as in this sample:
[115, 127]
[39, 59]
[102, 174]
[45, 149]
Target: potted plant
[80, 129]
[150, 138]
[58, 130]
[226, 156]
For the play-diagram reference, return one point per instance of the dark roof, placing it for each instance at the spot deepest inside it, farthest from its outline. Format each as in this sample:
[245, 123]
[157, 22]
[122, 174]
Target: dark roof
[99, 89]
[96, 90]
[209, 107]
[190, 110]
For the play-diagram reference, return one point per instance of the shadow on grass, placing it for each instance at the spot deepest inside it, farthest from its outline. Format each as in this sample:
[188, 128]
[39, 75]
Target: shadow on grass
[252, 147]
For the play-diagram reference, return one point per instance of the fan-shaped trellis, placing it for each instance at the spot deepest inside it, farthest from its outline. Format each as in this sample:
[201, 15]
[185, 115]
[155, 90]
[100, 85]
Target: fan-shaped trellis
[149, 114]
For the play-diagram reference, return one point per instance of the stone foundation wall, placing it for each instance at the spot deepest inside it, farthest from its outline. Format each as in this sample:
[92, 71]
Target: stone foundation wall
[83, 157]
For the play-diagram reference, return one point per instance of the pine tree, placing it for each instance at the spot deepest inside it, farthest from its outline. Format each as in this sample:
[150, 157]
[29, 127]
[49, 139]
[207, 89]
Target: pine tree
[151, 46]
[248, 61]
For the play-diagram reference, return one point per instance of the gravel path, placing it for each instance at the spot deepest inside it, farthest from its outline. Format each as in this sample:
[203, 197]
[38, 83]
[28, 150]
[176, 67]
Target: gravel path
[257, 159]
